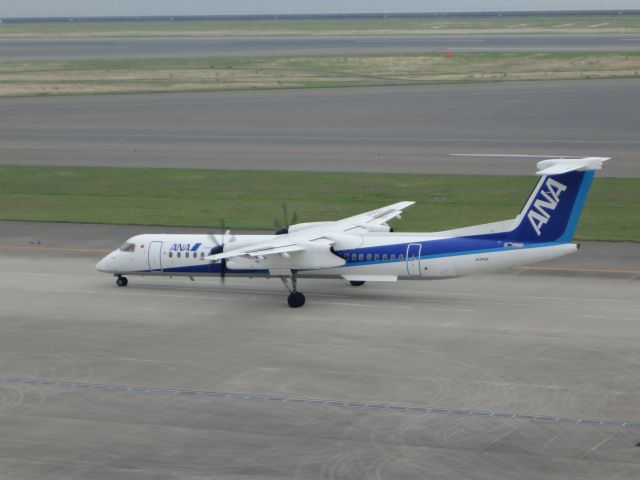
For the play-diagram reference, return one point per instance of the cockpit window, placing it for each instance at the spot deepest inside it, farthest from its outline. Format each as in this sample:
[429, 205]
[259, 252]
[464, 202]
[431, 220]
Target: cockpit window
[127, 247]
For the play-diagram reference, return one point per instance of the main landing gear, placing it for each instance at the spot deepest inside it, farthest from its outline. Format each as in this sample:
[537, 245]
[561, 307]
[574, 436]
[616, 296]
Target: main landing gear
[122, 281]
[296, 299]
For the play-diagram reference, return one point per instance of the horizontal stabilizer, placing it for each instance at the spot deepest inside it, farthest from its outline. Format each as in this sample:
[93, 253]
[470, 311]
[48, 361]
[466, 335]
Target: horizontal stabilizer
[558, 166]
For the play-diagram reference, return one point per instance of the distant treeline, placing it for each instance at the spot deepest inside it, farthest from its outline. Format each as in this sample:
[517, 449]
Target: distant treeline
[336, 16]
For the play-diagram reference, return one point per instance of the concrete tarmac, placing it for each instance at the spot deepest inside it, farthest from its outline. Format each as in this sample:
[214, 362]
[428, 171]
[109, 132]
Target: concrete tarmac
[473, 129]
[523, 374]
[83, 48]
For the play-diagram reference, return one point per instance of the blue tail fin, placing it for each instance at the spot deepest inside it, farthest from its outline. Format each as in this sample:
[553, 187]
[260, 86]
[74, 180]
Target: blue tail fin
[552, 212]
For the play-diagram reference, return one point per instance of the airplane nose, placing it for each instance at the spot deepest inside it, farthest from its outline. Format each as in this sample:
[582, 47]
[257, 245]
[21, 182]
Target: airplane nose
[104, 265]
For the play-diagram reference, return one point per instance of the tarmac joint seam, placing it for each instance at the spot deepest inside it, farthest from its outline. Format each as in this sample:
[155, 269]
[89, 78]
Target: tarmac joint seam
[391, 407]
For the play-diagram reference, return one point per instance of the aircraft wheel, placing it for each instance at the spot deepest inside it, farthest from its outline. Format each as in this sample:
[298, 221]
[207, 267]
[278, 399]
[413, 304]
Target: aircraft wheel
[122, 281]
[357, 283]
[296, 300]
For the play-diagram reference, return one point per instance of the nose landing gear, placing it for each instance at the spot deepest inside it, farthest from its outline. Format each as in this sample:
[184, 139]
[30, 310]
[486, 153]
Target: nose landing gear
[296, 299]
[122, 281]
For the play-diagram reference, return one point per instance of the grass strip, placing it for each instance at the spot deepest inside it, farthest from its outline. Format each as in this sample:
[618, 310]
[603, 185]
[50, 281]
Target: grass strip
[253, 199]
[389, 26]
[304, 71]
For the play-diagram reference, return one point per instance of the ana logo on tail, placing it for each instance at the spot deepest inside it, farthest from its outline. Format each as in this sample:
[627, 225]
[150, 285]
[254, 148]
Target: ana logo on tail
[538, 215]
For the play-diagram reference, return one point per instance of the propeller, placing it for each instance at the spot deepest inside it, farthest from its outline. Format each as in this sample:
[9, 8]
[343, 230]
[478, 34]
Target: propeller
[225, 237]
[281, 228]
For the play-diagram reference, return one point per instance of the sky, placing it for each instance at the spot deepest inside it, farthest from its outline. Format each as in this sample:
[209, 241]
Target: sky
[96, 8]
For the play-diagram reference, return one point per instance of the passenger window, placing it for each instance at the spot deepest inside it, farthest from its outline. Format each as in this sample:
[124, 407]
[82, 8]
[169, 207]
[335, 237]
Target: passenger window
[201, 255]
[393, 256]
[361, 257]
[178, 254]
[170, 254]
[377, 257]
[368, 256]
[401, 257]
[354, 257]
[384, 256]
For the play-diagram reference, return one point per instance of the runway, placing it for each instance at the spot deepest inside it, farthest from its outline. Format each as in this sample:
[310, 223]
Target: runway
[528, 373]
[82, 48]
[471, 129]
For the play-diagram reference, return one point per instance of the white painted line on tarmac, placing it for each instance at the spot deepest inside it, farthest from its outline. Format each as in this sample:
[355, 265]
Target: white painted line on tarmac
[36, 274]
[519, 155]
[346, 304]
[421, 40]
[534, 297]
[596, 446]
[128, 293]
[597, 25]
[421, 303]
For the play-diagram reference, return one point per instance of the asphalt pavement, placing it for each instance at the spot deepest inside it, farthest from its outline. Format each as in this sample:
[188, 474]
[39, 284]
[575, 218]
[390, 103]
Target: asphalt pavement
[86, 48]
[498, 128]
[513, 375]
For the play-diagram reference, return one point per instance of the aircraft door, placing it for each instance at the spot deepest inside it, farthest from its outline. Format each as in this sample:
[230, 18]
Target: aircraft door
[155, 256]
[413, 259]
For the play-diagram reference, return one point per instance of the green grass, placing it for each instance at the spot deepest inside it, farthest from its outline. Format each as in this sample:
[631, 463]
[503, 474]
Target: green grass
[620, 24]
[252, 200]
[303, 71]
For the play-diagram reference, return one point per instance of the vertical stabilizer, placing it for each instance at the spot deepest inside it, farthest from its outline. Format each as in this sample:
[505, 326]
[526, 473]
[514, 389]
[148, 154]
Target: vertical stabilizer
[552, 212]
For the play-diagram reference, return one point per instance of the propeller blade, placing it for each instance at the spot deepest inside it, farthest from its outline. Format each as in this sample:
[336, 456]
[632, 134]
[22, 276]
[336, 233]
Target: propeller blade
[213, 238]
[224, 237]
[284, 228]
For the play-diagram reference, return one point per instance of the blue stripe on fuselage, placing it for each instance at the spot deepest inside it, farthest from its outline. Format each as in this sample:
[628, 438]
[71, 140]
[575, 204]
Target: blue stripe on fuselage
[431, 248]
[448, 247]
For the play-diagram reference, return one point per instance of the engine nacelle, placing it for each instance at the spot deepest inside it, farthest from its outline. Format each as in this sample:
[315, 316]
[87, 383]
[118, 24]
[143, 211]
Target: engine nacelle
[314, 257]
[378, 228]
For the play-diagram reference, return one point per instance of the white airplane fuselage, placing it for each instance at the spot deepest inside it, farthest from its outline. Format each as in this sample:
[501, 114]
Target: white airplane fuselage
[379, 257]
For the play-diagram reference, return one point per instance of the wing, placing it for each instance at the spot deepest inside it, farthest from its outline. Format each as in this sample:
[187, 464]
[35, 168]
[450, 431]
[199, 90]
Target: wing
[260, 249]
[281, 245]
[320, 236]
[377, 217]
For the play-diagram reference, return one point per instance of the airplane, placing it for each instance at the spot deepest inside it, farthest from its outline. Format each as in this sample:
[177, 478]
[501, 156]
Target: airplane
[364, 248]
